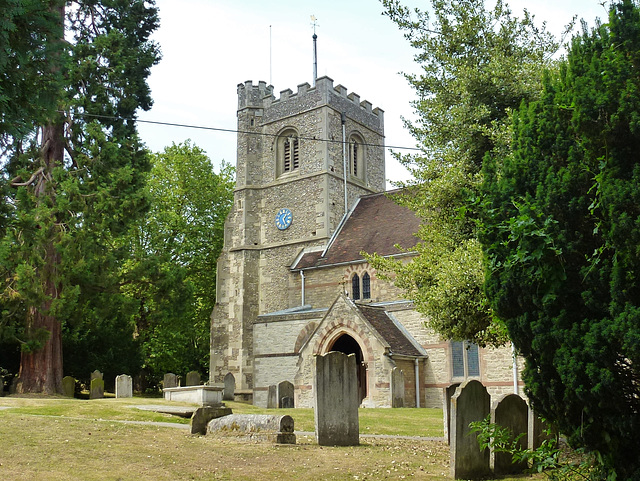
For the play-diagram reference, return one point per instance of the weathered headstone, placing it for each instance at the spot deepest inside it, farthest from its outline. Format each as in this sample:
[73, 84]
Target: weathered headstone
[285, 391]
[397, 388]
[509, 411]
[202, 416]
[1, 386]
[96, 390]
[170, 380]
[336, 407]
[272, 397]
[14, 385]
[68, 386]
[193, 378]
[471, 402]
[229, 387]
[124, 386]
[537, 431]
[447, 394]
[96, 375]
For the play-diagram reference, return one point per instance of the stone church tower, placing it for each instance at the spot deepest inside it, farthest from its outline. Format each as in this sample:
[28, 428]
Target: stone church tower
[290, 197]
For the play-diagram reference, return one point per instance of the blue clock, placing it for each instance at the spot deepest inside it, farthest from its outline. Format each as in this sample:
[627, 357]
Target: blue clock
[283, 219]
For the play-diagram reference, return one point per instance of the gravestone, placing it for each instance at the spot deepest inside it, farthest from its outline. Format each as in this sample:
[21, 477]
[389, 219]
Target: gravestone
[471, 402]
[202, 416]
[96, 375]
[1, 386]
[272, 397]
[229, 387]
[193, 378]
[285, 394]
[509, 411]
[170, 380]
[97, 388]
[336, 400]
[397, 388]
[68, 386]
[537, 431]
[14, 385]
[124, 386]
[447, 394]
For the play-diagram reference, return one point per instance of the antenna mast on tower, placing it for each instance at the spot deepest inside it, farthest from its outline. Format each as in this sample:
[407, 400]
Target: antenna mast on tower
[315, 49]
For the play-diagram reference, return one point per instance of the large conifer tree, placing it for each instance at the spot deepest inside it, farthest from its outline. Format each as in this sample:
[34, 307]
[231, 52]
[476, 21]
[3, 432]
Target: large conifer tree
[561, 238]
[71, 163]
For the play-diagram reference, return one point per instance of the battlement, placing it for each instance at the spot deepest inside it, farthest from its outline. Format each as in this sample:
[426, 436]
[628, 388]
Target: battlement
[250, 95]
[261, 95]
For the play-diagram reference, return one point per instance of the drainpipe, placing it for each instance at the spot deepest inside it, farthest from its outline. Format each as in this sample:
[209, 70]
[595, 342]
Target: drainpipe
[515, 369]
[302, 286]
[417, 371]
[343, 118]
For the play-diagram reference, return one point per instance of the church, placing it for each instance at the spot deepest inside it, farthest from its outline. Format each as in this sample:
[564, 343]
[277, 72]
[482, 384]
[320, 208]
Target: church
[292, 282]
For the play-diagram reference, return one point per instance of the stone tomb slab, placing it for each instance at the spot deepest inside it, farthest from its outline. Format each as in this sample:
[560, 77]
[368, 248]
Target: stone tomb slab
[200, 395]
[255, 427]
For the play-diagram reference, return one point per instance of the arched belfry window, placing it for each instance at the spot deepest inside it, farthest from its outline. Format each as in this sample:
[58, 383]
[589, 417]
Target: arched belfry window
[356, 156]
[366, 286]
[355, 287]
[287, 152]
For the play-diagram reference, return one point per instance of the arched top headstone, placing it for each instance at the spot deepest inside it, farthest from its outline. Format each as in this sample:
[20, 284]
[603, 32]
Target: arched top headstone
[124, 386]
[285, 394]
[470, 403]
[229, 387]
[510, 411]
[68, 386]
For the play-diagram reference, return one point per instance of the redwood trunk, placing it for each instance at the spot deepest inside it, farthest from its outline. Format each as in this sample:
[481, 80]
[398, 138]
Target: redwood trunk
[41, 370]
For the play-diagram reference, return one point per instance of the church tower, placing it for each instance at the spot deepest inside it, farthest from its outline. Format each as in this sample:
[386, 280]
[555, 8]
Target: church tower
[291, 194]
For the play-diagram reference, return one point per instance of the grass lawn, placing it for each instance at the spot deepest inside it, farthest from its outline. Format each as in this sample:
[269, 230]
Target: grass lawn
[70, 439]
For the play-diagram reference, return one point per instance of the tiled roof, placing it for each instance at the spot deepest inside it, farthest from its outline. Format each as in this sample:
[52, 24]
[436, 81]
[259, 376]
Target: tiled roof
[376, 225]
[398, 341]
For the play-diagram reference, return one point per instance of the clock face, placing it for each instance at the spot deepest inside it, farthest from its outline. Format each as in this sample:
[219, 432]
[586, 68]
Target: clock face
[283, 219]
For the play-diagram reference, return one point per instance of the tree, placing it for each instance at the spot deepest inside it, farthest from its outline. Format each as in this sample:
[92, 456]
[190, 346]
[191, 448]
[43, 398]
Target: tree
[476, 66]
[172, 272]
[561, 235]
[74, 170]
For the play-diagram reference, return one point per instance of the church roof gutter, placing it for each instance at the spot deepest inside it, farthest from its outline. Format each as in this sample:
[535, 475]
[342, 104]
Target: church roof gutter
[346, 263]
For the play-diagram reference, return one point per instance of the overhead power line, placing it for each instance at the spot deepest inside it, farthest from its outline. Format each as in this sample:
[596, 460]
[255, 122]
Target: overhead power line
[234, 131]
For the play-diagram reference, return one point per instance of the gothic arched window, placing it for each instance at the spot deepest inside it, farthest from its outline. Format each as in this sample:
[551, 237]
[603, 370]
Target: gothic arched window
[287, 152]
[366, 286]
[355, 287]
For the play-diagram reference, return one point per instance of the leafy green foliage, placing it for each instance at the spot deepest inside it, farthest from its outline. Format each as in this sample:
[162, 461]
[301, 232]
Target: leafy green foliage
[548, 458]
[171, 275]
[561, 240]
[477, 65]
[72, 173]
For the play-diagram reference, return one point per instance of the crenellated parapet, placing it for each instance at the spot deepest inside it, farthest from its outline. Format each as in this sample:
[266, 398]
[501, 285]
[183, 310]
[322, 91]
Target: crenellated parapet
[307, 97]
[250, 95]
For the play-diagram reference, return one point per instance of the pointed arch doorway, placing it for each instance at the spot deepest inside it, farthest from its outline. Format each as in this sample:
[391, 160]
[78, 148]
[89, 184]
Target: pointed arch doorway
[348, 345]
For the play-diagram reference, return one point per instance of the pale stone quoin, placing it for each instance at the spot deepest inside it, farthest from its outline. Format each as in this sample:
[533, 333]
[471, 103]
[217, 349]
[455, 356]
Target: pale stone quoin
[292, 283]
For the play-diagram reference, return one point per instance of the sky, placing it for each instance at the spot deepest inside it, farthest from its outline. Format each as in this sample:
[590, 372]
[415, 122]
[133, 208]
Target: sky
[210, 46]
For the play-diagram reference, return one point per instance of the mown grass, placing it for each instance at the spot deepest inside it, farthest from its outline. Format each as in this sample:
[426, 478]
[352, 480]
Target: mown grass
[66, 439]
[400, 422]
